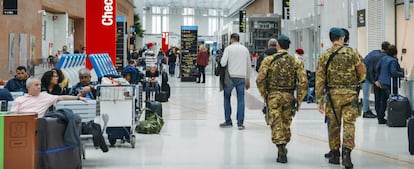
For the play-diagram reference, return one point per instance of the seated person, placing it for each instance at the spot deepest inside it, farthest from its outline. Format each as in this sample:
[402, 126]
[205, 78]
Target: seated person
[131, 73]
[85, 87]
[18, 83]
[36, 101]
[50, 80]
[151, 76]
[63, 81]
[5, 95]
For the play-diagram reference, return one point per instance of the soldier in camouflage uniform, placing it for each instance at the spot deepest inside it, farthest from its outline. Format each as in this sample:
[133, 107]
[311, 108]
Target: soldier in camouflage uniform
[344, 73]
[277, 80]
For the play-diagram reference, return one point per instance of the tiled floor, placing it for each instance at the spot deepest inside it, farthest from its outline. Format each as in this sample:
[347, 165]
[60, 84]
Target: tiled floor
[191, 138]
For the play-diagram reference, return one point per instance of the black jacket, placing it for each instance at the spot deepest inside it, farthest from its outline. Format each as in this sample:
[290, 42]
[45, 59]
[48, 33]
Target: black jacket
[15, 85]
[268, 52]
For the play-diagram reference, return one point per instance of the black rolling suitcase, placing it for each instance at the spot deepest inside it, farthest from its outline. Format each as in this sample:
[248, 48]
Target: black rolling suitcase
[154, 106]
[411, 135]
[161, 96]
[398, 109]
[53, 153]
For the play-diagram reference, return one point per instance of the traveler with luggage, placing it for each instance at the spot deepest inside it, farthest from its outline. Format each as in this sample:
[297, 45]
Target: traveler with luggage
[278, 77]
[340, 71]
[388, 67]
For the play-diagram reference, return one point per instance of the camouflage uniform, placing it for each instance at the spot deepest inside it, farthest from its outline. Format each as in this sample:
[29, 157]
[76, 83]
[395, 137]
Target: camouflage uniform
[345, 71]
[282, 75]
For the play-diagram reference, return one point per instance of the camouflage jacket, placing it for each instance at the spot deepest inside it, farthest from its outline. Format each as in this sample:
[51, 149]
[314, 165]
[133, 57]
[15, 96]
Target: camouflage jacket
[346, 70]
[284, 73]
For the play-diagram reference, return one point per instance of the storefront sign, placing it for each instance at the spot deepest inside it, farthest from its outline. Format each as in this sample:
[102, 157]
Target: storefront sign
[101, 28]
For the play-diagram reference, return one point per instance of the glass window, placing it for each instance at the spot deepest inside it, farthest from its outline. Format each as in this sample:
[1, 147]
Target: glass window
[156, 10]
[188, 11]
[156, 24]
[212, 12]
[188, 21]
[212, 26]
[165, 24]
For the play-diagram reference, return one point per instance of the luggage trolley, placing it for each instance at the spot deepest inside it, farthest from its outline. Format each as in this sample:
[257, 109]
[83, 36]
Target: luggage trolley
[119, 102]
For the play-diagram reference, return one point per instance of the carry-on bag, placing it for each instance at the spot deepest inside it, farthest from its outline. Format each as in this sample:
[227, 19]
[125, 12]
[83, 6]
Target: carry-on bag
[398, 109]
[53, 153]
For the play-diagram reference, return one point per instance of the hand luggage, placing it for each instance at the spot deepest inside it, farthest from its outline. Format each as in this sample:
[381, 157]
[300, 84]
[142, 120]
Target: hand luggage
[161, 96]
[154, 106]
[166, 88]
[398, 109]
[411, 135]
[53, 153]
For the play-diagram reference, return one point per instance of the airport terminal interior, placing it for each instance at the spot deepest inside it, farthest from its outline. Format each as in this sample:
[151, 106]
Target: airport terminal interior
[149, 33]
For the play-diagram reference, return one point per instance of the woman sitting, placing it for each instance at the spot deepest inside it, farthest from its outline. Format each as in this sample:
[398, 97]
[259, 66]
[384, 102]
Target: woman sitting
[50, 84]
[63, 81]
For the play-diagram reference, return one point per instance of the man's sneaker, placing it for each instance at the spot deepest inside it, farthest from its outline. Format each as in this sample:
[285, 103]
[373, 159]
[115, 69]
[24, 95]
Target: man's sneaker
[226, 125]
[368, 114]
[241, 127]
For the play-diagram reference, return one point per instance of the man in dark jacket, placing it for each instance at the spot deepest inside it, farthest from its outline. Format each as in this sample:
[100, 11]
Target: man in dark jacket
[271, 49]
[370, 61]
[18, 83]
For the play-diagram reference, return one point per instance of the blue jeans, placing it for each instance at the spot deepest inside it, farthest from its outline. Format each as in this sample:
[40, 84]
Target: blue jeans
[147, 88]
[171, 68]
[239, 84]
[310, 91]
[366, 92]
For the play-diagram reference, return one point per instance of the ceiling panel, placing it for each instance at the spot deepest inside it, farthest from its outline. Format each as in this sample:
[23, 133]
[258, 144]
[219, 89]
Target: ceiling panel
[209, 4]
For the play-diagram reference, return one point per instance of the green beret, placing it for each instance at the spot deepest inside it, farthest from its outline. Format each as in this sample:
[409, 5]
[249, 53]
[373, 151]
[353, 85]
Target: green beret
[283, 38]
[337, 31]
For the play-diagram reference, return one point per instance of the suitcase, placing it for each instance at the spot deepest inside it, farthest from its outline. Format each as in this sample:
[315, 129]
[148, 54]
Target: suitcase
[154, 106]
[411, 135]
[166, 88]
[53, 153]
[161, 96]
[398, 110]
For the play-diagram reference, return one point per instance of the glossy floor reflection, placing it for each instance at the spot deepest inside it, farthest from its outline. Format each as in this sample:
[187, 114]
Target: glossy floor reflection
[191, 138]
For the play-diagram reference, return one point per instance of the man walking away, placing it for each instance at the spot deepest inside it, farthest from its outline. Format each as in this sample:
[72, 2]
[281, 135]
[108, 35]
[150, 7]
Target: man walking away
[277, 79]
[340, 70]
[237, 59]
[271, 49]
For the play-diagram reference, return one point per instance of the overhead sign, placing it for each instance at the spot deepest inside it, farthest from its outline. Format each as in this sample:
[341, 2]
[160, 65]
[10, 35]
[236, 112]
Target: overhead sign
[101, 28]
[286, 9]
[361, 18]
[242, 21]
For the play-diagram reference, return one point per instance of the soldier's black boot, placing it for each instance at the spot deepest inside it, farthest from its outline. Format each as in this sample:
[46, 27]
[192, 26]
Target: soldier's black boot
[334, 159]
[346, 158]
[281, 153]
[328, 154]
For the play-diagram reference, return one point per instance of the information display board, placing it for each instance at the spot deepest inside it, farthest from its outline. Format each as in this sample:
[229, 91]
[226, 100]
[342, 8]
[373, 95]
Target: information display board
[188, 52]
[120, 43]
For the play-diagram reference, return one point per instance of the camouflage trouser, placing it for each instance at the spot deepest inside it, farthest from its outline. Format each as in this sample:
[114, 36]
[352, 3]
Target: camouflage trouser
[280, 117]
[347, 112]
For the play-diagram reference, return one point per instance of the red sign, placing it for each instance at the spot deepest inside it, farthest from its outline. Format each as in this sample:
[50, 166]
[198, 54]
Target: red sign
[101, 28]
[165, 41]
